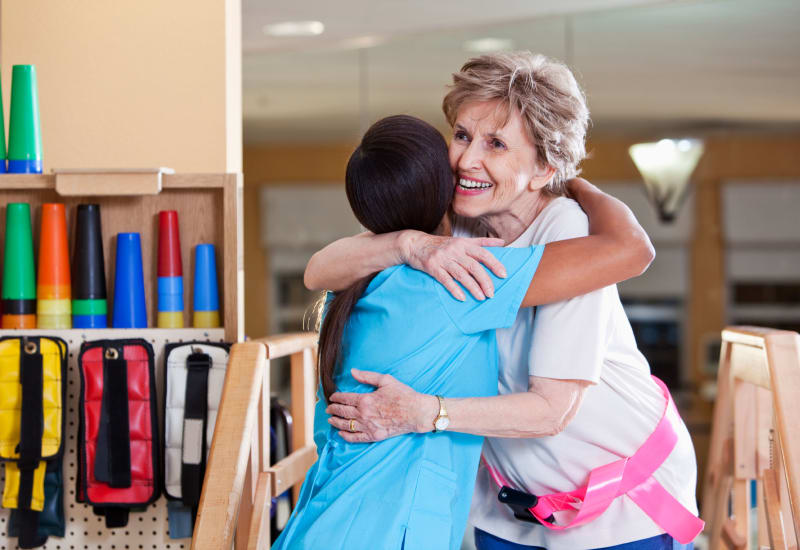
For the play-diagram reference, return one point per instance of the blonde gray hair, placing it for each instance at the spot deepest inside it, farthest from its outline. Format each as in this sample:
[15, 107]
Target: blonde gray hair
[543, 92]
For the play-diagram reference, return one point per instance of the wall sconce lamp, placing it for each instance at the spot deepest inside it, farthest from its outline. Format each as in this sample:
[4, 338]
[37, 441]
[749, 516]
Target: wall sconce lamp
[666, 167]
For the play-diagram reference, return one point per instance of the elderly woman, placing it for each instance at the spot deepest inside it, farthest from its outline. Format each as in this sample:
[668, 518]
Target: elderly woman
[579, 421]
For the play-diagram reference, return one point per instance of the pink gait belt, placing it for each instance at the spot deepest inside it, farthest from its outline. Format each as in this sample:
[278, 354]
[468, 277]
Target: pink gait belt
[632, 476]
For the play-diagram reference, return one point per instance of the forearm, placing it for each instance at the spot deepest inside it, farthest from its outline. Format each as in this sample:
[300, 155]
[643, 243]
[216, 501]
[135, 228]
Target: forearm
[347, 260]
[515, 415]
[612, 220]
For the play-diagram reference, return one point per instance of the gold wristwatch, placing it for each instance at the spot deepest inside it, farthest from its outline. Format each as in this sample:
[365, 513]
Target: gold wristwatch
[441, 421]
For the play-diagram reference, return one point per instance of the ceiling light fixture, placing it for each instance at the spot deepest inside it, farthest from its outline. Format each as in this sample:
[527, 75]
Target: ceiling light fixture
[294, 28]
[666, 167]
[483, 45]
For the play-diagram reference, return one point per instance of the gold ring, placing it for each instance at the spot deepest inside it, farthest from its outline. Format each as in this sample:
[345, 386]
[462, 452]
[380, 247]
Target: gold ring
[352, 426]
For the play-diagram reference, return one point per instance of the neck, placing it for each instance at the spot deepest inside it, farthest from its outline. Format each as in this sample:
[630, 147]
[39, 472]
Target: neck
[510, 224]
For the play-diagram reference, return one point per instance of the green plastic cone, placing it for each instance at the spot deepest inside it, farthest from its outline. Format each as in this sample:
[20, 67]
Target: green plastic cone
[19, 276]
[24, 129]
[2, 133]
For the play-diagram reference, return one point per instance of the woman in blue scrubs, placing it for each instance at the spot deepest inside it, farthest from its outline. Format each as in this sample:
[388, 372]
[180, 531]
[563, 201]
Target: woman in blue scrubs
[413, 491]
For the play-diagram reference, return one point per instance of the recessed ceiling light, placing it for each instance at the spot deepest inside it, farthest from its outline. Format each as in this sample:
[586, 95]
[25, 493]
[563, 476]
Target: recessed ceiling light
[294, 28]
[482, 45]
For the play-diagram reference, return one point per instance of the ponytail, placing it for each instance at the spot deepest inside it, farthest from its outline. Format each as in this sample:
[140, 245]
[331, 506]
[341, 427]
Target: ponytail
[332, 330]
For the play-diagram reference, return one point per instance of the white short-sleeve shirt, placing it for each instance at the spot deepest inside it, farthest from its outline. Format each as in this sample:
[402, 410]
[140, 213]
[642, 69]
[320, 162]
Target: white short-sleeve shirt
[587, 338]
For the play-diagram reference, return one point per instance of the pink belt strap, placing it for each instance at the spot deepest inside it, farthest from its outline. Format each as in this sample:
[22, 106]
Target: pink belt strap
[632, 476]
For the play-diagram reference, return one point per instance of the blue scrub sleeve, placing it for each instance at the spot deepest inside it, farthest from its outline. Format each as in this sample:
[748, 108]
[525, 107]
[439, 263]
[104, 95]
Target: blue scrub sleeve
[472, 316]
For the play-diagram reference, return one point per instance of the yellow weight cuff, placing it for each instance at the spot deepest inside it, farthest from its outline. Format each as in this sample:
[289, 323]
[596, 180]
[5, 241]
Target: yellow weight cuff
[11, 491]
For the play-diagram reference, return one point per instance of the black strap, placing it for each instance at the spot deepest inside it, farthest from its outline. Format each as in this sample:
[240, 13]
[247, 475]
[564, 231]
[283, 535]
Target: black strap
[32, 412]
[29, 536]
[193, 462]
[112, 464]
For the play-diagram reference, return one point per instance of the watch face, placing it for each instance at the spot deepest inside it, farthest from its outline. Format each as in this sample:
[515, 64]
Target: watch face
[441, 423]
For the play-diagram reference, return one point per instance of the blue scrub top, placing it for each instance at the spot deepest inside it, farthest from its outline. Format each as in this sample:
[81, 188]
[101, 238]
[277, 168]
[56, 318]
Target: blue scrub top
[413, 491]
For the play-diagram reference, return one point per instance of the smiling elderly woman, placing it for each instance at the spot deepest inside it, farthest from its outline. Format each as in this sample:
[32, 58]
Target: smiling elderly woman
[578, 415]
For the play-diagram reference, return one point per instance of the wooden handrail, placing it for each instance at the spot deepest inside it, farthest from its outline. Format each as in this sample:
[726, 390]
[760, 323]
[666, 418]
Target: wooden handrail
[239, 483]
[754, 438]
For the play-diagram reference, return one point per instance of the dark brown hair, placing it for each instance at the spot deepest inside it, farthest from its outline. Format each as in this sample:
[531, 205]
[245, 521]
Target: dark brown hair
[398, 178]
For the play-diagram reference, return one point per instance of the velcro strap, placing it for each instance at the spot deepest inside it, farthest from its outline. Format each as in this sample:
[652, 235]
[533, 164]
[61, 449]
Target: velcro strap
[194, 427]
[31, 430]
[112, 463]
[29, 536]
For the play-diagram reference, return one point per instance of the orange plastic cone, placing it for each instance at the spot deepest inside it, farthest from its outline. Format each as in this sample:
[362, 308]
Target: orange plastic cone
[54, 305]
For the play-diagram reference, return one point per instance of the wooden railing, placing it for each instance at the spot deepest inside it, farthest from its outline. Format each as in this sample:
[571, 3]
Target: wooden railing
[755, 436]
[235, 502]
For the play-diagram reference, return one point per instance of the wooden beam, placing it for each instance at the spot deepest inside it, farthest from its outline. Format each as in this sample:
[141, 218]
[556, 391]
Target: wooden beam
[292, 469]
[287, 344]
[230, 448]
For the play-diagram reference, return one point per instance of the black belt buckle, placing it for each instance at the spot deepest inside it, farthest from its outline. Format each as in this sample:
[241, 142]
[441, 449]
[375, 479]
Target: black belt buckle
[520, 503]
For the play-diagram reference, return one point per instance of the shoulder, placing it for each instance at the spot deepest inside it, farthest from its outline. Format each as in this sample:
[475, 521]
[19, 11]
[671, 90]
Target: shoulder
[562, 219]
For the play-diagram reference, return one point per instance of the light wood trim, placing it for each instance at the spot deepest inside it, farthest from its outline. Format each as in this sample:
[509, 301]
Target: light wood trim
[287, 344]
[184, 180]
[233, 259]
[230, 448]
[772, 508]
[259, 534]
[744, 431]
[27, 181]
[105, 184]
[292, 469]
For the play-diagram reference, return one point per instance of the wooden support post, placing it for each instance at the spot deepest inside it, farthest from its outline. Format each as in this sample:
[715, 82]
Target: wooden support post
[230, 449]
[303, 382]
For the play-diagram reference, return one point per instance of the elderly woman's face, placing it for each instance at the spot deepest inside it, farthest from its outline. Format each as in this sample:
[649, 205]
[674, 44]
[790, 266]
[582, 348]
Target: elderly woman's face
[495, 164]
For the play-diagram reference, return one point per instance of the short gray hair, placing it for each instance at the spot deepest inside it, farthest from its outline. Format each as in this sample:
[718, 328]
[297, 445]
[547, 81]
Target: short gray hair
[545, 94]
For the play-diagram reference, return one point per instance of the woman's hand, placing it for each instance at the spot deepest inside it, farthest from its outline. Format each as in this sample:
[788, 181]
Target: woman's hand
[451, 259]
[392, 409]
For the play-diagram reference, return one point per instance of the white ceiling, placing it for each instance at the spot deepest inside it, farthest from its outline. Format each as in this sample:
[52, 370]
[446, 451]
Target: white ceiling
[644, 64]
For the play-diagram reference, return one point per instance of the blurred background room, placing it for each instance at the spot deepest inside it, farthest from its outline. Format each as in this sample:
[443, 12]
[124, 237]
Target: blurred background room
[725, 72]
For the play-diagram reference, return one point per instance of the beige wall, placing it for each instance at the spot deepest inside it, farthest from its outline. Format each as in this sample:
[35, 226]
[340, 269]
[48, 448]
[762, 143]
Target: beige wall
[131, 84]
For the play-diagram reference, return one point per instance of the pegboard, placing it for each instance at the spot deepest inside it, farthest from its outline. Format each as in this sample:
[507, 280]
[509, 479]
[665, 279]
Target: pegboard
[84, 530]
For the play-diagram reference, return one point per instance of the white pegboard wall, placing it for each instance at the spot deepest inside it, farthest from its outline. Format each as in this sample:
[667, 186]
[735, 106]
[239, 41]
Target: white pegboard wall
[86, 531]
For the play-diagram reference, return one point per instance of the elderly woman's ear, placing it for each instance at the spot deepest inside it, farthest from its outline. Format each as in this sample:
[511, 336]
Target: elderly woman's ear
[542, 177]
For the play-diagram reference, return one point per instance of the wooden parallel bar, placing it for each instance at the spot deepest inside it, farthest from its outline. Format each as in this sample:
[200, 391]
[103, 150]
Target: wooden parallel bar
[732, 537]
[772, 511]
[259, 535]
[749, 364]
[721, 445]
[287, 344]
[230, 448]
[741, 507]
[292, 469]
[783, 353]
[744, 430]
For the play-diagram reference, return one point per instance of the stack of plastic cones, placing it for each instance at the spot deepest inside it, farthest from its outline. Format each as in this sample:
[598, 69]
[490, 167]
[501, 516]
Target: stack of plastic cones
[89, 298]
[206, 296]
[170, 272]
[24, 129]
[19, 280]
[130, 308]
[54, 306]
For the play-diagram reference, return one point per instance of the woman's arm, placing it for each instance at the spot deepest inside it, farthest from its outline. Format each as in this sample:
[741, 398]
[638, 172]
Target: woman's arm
[447, 259]
[394, 409]
[616, 249]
